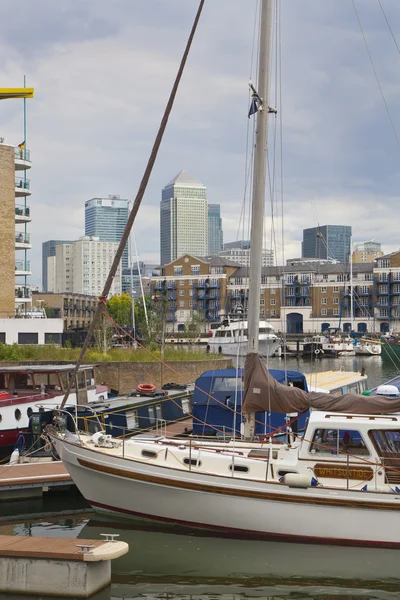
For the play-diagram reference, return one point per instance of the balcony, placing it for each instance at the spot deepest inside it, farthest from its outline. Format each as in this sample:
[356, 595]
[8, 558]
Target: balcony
[22, 240]
[22, 187]
[22, 159]
[22, 267]
[22, 214]
[22, 294]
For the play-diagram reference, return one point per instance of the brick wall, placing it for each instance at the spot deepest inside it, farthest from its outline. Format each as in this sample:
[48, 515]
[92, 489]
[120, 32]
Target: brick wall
[7, 232]
[125, 376]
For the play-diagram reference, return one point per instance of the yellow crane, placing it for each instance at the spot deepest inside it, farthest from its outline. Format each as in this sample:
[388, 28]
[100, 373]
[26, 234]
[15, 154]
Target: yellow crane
[6, 93]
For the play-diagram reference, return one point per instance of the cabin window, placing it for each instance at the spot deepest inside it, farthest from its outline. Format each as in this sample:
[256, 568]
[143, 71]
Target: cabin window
[328, 442]
[149, 454]
[229, 333]
[192, 461]
[17, 414]
[29, 412]
[220, 334]
[387, 443]
[159, 412]
[239, 468]
[89, 373]
[283, 472]
[227, 384]
[132, 419]
[152, 415]
[185, 405]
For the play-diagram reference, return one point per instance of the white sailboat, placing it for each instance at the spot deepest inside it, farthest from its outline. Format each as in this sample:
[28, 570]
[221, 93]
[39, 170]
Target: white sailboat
[338, 484]
[231, 338]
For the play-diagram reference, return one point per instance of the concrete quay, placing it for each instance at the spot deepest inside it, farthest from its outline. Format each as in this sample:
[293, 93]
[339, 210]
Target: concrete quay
[57, 566]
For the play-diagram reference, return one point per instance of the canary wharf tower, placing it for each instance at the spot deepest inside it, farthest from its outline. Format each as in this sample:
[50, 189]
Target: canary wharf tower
[183, 218]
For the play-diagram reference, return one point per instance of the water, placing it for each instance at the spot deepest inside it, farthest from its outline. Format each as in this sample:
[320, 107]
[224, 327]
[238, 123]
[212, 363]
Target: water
[169, 563]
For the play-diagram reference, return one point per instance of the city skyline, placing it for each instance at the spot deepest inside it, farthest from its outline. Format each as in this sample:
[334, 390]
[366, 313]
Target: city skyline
[104, 130]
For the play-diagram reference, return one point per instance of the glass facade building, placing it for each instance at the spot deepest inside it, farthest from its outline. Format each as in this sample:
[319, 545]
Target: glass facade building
[327, 241]
[215, 234]
[106, 219]
[183, 218]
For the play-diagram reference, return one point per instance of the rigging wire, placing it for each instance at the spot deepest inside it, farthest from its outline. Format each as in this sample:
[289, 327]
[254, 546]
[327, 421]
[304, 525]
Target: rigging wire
[376, 74]
[137, 201]
[389, 27]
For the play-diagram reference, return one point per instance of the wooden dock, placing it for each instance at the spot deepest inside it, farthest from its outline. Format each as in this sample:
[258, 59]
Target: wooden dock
[30, 480]
[57, 566]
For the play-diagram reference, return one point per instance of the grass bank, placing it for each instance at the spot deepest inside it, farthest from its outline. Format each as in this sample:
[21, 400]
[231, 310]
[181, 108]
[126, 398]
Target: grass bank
[15, 352]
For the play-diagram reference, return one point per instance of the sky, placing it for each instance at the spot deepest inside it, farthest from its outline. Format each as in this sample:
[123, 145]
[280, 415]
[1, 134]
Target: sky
[102, 72]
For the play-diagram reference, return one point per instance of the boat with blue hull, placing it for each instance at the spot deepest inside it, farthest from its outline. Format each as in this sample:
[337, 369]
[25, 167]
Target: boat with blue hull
[217, 404]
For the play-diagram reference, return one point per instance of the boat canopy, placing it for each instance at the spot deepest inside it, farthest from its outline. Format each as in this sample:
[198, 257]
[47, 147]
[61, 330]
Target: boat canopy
[264, 392]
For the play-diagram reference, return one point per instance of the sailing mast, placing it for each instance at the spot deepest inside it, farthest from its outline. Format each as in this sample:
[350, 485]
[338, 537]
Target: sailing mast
[258, 198]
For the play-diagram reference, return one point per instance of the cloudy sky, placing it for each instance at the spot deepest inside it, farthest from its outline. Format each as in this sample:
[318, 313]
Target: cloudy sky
[102, 72]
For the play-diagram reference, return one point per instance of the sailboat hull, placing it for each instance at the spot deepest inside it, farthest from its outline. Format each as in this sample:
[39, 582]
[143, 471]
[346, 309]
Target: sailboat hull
[321, 515]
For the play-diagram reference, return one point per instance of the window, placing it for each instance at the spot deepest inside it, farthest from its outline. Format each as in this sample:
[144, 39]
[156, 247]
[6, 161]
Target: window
[28, 338]
[335, 312]
[149, 454]
[323, 301]
[52, 338]
[192, 462]
[335, 288]
[181, 292]
[132, 419]
[338, 441]
[182, 282]
[185, 405]
[2, 337]
[181, 304]
[195, 269]
[323, 290]
[159, 411]
[262, 302]
[324, 311]
[178, 270]
[336, 300]
[273, 290]
[152, 415]
[273, 313]
[272, 301]
[239, 468]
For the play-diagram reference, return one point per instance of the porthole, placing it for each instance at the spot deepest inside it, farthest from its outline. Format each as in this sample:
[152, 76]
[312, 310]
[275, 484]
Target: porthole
[192, 461]
[17, 414]
[149, 454]
[1, 418]
[239, 468]
[29, 412]
[283, 473]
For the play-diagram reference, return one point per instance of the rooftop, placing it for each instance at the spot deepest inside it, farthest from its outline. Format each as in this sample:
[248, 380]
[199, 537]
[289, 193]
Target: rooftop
[184, 178]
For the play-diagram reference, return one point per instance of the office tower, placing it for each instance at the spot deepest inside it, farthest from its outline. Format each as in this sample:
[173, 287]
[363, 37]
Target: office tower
[183, 218]
[244, 244]
[82, 267]
[215, 234]
[49, 249]
[327, 241]
[242, 256]
[367, 252]
[106, 219]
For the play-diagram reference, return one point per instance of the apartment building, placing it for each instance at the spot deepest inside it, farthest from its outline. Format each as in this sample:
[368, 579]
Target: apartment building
[300, 297]
[82, 267]
[75, 310]
[192, 284]
[15, 215]
[367, 252]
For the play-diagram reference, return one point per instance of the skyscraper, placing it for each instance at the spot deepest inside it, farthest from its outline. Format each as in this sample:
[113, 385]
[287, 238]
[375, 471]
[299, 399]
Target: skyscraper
[106, 219]
[183, 218]
[327, 241]
[49, 249]
[215, 234]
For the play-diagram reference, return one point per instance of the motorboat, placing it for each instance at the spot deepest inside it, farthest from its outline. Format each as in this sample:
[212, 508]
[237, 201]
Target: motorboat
[231, 338]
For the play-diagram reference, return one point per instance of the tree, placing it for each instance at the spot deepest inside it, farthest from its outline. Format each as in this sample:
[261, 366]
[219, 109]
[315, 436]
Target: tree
[103, 333]
[120, 309]
[194, 326]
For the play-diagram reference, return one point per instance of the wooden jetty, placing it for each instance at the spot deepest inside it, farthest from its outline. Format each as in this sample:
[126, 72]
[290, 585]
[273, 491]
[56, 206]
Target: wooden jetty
[30, 480]
[57, 566]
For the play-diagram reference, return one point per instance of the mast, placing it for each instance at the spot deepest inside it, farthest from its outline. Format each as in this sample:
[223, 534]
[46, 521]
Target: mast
[351, 284]
[258, 199]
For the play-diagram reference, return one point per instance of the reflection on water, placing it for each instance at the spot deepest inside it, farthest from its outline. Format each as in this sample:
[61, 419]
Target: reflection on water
[169, 563]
